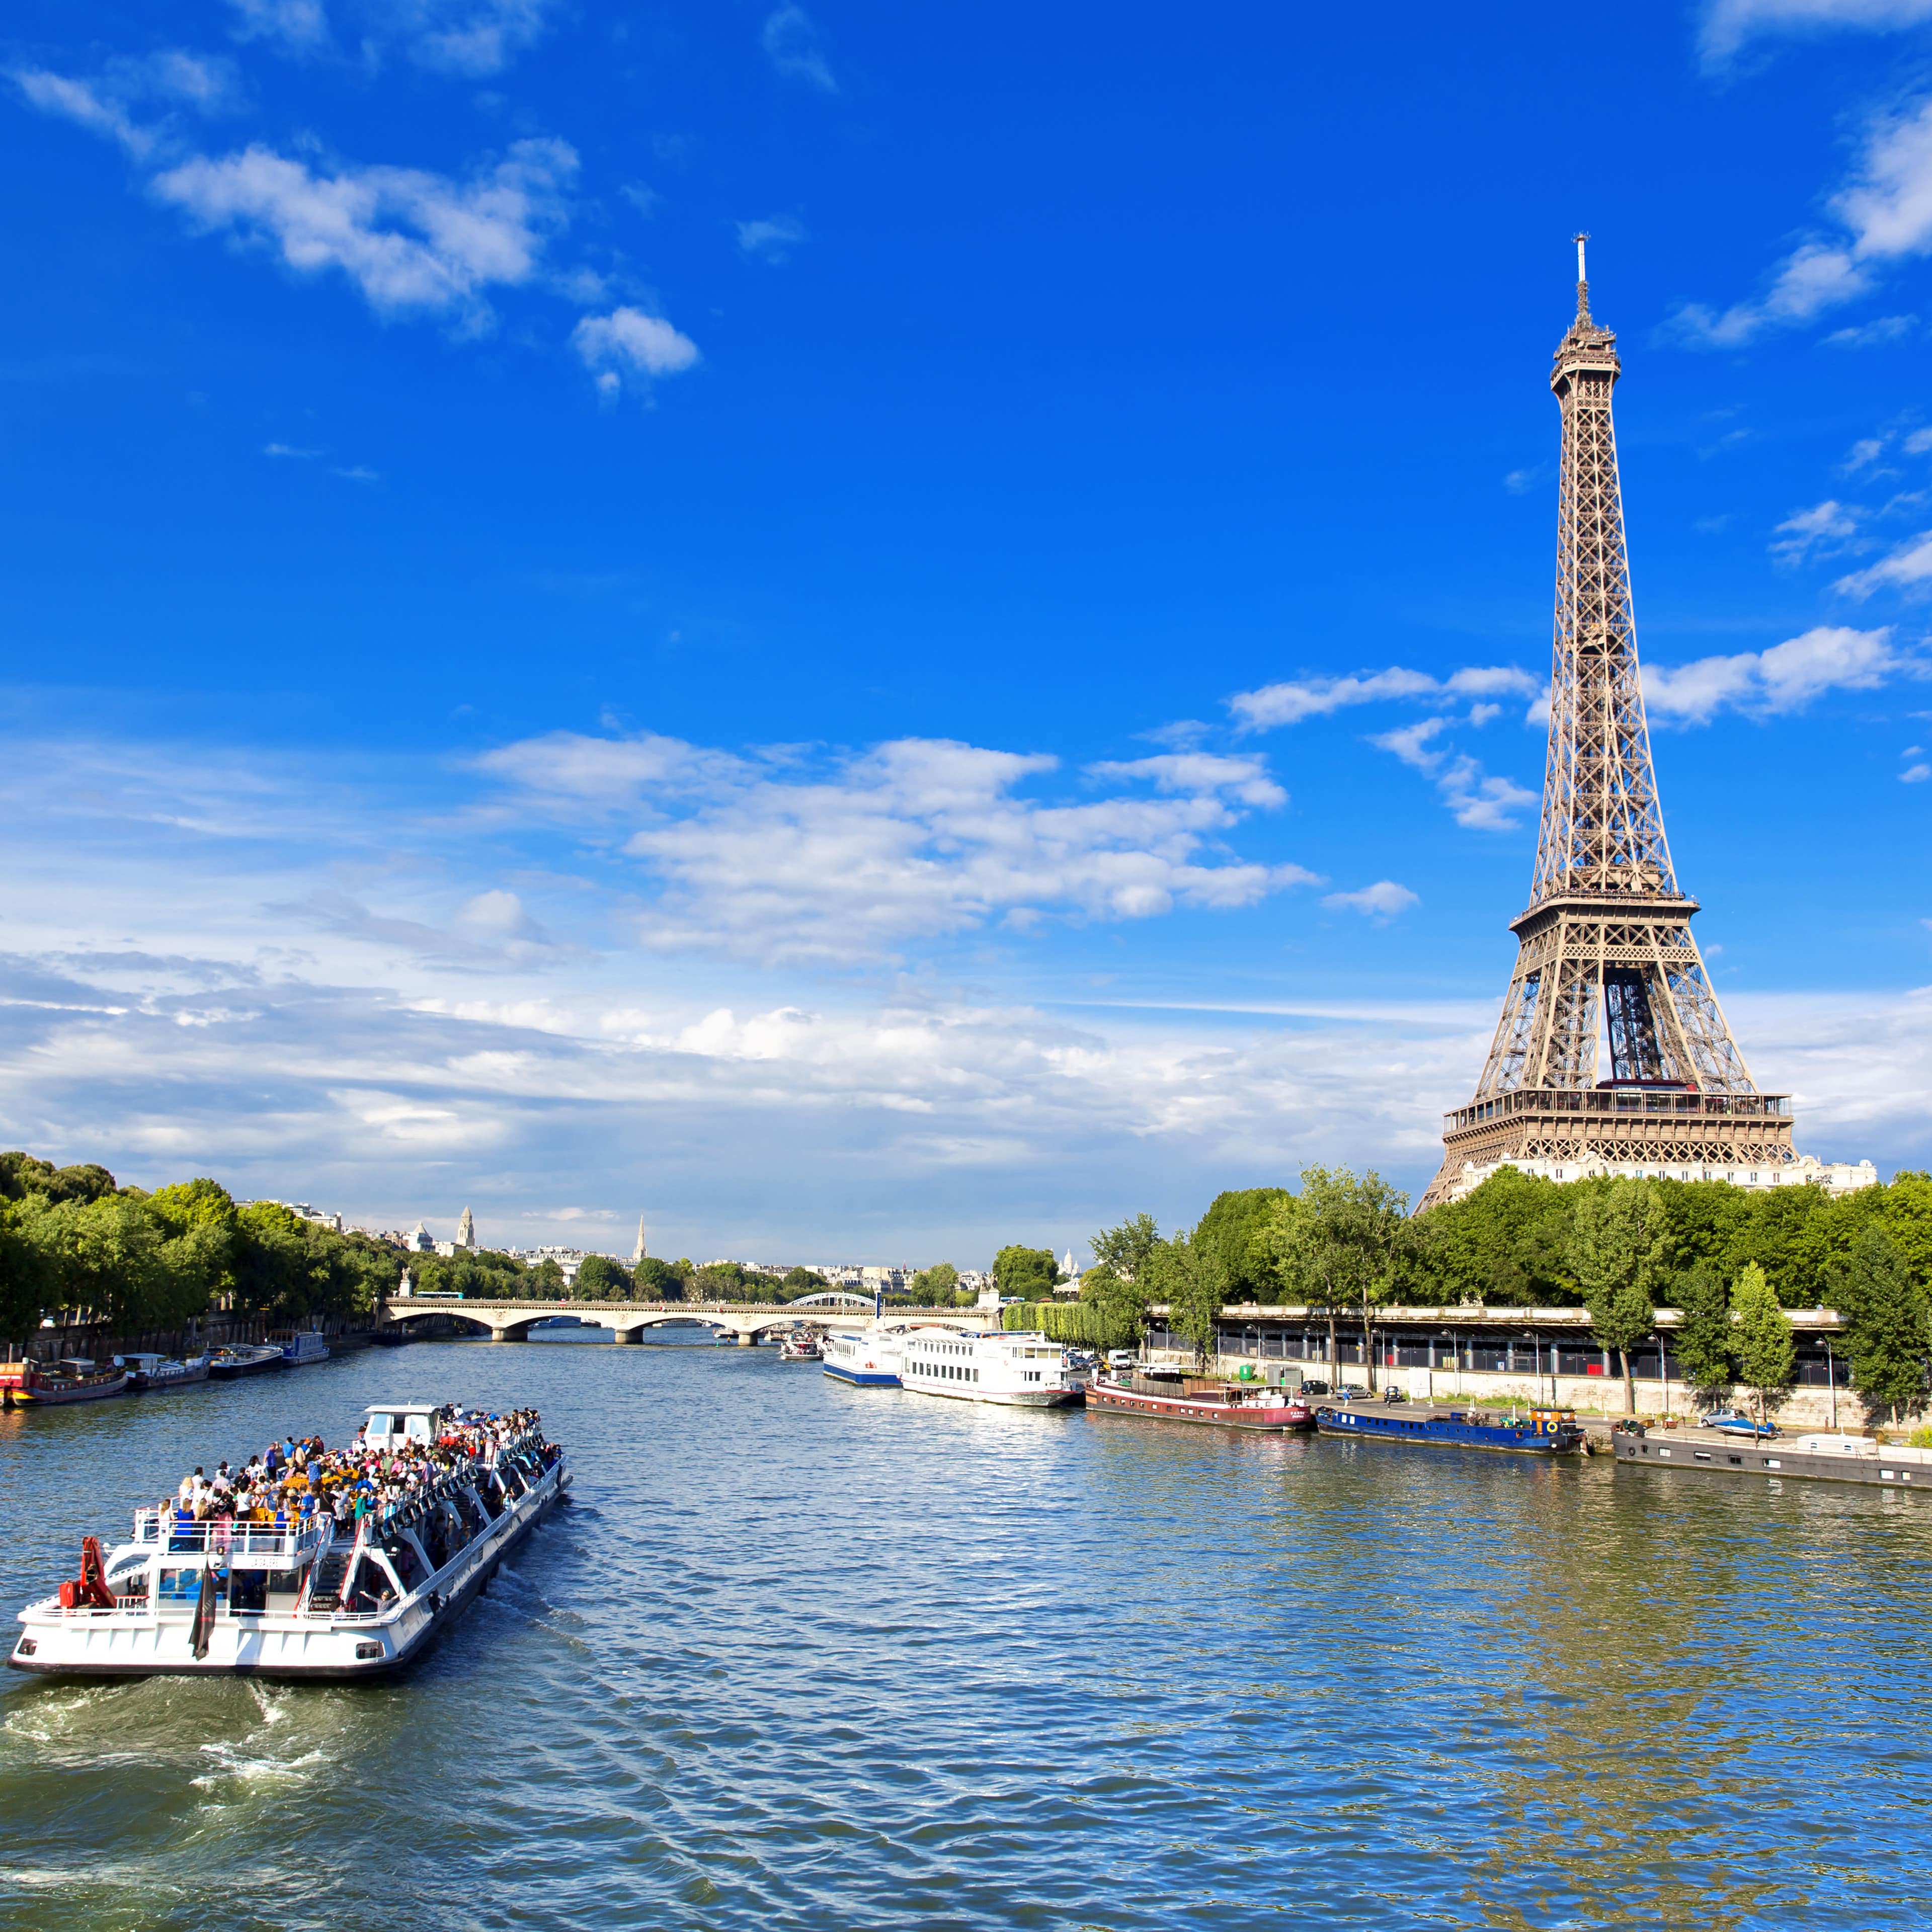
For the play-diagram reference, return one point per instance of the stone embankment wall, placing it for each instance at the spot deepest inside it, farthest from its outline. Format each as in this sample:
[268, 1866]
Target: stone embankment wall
[1806, 1408]
[213, 1331]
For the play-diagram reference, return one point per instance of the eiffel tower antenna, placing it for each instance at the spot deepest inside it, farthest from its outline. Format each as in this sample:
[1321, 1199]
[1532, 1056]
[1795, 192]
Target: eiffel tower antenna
[1606, 947]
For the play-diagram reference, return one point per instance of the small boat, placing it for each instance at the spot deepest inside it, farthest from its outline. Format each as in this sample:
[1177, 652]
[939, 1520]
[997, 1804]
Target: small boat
[867, 1358]
[1019, 1370]
[303, 1346]
[800, 1348]
[159, 1372]
[1211, 1399]
[73, 1378]
[1542, 1431]
[306, 1598]
[249, 1358]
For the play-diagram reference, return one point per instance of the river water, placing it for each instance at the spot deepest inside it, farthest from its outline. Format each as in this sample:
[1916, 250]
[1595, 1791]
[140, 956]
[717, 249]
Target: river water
[802, 1655]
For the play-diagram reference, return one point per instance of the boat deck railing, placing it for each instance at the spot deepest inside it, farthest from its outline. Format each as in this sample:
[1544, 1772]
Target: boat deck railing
[225, 1536]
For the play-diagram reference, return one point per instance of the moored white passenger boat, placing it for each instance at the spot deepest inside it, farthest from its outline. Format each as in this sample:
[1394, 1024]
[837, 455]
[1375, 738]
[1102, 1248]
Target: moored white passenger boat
[1018, 1371]
[305, 1598]
[866, 1358]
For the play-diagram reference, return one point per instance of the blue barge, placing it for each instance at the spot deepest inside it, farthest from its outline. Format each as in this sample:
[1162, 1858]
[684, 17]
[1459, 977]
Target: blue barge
[1544, 1432]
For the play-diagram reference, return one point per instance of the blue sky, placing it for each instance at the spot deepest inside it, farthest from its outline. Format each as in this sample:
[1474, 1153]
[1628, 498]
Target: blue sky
[870, 634]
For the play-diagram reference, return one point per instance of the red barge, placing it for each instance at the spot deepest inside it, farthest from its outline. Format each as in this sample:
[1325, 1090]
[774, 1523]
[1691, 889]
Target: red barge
[1202, 1399]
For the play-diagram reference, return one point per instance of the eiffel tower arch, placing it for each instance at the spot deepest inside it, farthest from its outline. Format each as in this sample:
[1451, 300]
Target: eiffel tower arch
[1606, 963]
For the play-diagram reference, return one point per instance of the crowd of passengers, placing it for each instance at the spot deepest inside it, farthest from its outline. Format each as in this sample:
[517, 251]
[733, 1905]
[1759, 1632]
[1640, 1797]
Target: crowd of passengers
[300, 1478]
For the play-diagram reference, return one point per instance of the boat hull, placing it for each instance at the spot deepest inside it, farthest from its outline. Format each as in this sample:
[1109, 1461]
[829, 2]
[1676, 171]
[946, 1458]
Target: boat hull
[1292, 1419]
[296, 1650]
[266, 1364]
[40, 1394]
[1430, 1432]
[863, 1378]
[1711, 1455]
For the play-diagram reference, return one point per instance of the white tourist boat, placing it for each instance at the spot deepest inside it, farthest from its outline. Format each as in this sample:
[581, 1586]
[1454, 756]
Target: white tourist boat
[303, 1599]
[866, 1358]
[1018, 1371]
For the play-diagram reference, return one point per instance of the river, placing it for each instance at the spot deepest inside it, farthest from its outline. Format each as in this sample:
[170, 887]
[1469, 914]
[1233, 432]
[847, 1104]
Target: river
[802, 1655]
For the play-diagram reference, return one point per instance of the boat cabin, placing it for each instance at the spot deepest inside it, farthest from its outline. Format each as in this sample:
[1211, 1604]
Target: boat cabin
[387, 1423]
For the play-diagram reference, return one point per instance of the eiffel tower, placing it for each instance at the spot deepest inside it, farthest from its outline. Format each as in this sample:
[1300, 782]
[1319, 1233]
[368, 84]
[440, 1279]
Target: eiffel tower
[1606, 940]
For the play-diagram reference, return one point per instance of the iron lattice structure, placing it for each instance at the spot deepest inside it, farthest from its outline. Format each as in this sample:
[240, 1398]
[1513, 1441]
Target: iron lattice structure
[1607, 957]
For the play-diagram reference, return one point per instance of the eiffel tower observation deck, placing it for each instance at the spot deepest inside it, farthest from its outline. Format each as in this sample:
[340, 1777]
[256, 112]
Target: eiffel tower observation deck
[1608, 967]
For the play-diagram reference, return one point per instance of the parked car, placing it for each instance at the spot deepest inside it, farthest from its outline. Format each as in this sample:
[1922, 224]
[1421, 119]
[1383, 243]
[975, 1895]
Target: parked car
[1311, 1386]
[1735, 1422]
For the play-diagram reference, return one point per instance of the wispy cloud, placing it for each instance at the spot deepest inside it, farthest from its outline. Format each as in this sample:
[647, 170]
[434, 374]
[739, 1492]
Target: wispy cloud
[919, 838]
[105, 103]
[790, 41]
[771, 240]
[1288, 703]
[406, 237]
[468, 39]
[1884, 214]
[1382, 900]
[1786, 678]
[289, 449]
[1730, 25]
[1908, 568]
[1828, 524]
[1872, 334]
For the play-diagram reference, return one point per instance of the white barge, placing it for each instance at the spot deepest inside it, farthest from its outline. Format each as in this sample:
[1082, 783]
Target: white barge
[306, 1598]
[1015, 1371]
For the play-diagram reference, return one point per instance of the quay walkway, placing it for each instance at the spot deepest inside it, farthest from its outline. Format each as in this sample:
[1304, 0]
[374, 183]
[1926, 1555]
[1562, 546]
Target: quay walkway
[511, 1320]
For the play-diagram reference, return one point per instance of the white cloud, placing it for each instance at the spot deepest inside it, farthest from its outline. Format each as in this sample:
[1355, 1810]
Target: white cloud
[408, 238]
[288, 449]
[1290, 702]
[847, 860]
[1246, 779]
[1729, 24]
[104, 105]
[467, 37]
[357, 473]
[1867, 449]
[296, 26]
[628, 340]
[1383, 900]
[1918, 442]
[1908, 568]
[772, 240]
[1786, 678]
[1915, 774]
[790, 41]
[1870, 334]
[1483, 802]
[1885, 213]
[1828, 522]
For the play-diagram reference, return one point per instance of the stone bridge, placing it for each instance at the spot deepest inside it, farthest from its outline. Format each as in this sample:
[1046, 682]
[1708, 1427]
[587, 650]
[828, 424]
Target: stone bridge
[511, 1320]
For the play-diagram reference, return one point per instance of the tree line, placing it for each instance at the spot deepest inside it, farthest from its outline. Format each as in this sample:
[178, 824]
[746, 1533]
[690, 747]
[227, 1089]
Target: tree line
[1731, 1261]
[78, 1247]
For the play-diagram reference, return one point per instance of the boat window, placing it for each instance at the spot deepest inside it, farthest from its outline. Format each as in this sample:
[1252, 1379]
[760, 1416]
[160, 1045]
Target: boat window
[179, 1586]
[416, 1427]
[248, 1592]
[381, 1425]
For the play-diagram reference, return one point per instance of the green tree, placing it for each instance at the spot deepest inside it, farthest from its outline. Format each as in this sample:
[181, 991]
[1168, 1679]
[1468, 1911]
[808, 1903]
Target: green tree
[801, 1281]
[1126, 1249]
[1765, 1353]
[1119, 1302]
[658, 1281]
[1340, 1246]
[1234, 1225]
[935, 1287]
[1189, 1274]
[1619, 1251]
[1706, 1345]
[28, 1275]
[545, 1282]
[1885, 1315]
[601, 1279]
[1028, 1273]
[1505, 1241]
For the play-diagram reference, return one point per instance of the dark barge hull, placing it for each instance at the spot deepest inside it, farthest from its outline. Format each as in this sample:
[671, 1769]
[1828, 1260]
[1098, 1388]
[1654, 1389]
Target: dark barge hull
[1768, 1460]
[1431, 1432]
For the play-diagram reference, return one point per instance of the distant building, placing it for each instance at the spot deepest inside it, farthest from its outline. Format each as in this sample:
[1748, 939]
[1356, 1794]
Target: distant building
[418, 1241]
[1840, 1176]
[466, 1232]
[640, 1252]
